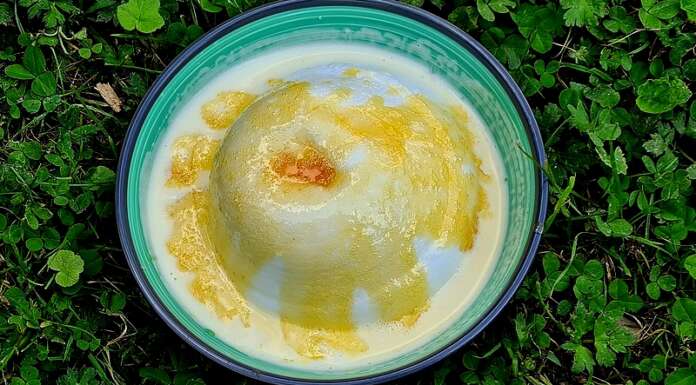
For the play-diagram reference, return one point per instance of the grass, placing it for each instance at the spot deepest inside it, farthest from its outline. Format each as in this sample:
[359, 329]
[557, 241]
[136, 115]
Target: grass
[609, 299]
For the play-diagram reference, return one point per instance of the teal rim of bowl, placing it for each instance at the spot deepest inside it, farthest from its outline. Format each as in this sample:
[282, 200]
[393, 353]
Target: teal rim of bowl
[512, 127]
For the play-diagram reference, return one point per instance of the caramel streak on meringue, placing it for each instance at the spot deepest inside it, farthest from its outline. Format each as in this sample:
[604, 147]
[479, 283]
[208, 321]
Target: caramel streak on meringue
[221, 112]
[190, 155]
[191, 246]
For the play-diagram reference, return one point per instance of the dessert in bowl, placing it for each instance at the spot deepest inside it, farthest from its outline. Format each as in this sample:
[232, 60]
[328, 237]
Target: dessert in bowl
[335, 202]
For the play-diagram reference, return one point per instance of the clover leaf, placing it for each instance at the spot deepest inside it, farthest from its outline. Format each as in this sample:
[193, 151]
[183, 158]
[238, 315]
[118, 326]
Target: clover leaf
[142, 15]
[690, 7]
[656, 96]
[538, 25]
[653, 12]
[684, 309]
[604, 95]
[623, 299]
[682, 376]
[17, 71]
[44, 84]
[68, 266]
[690, 265]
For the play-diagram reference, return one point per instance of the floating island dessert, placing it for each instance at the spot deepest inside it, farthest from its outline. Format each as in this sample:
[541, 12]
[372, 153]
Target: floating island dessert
[325, 214]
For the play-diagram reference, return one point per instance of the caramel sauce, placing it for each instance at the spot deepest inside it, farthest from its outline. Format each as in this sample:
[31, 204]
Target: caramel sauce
[190, 243]
[191, 154]
[220, 112]
[309, 166]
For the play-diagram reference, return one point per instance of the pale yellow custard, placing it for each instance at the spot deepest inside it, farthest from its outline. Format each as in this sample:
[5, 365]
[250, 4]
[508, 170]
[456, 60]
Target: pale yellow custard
[328, 211]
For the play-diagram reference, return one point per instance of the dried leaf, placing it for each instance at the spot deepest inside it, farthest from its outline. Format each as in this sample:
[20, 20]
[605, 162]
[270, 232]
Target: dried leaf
[109, 95]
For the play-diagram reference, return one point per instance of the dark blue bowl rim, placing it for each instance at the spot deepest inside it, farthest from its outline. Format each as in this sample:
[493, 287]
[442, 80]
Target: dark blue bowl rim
[417, 14]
